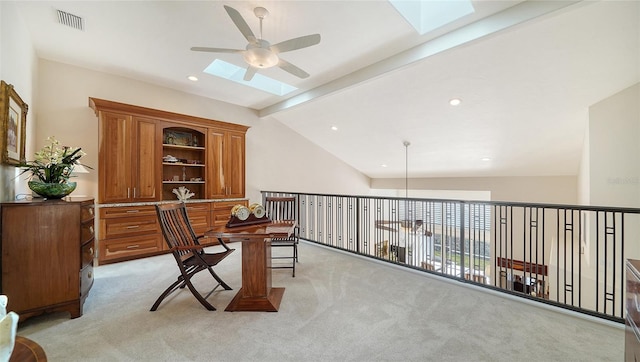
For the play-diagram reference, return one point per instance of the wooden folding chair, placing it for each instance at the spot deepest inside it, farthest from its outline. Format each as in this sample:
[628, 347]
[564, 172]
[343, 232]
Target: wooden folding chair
[187, 251]
[280, 209]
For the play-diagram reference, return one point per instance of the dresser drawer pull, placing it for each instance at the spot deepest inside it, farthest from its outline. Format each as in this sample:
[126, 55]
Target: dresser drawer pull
[133, 227]
[91, 229]
[133, 246]
[91, 210]
[132, 211]
[90, 252]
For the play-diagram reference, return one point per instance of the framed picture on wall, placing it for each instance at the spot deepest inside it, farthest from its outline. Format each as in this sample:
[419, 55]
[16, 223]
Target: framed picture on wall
[13, 121]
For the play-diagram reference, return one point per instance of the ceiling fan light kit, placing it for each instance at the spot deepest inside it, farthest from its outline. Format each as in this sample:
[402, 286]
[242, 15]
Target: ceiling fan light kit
[259, 53]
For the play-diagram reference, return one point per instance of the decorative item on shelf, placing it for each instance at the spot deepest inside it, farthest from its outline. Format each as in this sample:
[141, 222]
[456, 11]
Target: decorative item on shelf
[178, 138]
[169, 158]
[52, 168]
[243, 216]
[183, 193]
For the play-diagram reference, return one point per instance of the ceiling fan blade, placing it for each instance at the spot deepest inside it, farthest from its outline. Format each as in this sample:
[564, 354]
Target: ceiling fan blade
[296, 43]
[240, 23]
[288, 67]
[216, 50]
[249, 73]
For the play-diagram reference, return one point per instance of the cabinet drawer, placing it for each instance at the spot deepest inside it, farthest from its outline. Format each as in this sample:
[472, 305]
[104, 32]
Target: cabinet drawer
[130, 247]
[138, 225]
[86, 232]
[86, 279]
[200, 207]
[199, 222]
[219, 206]
[88, 253]
[127, 211]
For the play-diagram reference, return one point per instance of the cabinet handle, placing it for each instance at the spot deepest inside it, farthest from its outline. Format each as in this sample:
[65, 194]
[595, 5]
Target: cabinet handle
[133, 246]
[89, 275]
[91, 229]
[128, 192]
[90, 252]
[133, 226]
[134, 192]
[132, 211]
[91, 210]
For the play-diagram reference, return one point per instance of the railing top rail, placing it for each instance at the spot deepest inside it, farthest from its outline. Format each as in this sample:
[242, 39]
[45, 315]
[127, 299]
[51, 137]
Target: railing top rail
[629, 210]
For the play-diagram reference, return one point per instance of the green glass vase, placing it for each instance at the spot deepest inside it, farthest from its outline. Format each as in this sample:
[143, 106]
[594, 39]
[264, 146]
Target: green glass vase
[52, 190]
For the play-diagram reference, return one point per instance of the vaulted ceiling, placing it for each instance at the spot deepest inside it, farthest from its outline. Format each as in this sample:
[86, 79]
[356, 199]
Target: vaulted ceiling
[526, 72]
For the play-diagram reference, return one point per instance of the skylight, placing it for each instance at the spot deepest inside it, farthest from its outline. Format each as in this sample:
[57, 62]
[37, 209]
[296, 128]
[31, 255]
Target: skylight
[427, 15]
[234, 73]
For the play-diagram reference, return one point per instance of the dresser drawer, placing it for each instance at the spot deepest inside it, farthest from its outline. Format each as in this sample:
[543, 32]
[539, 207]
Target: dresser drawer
[87, 213]
[87, 232]
[130, 247]
[129, 226]
[86, 280]
[88, 253]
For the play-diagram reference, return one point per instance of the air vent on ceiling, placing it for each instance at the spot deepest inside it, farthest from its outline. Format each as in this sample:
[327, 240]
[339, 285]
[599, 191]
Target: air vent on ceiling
[71, 20]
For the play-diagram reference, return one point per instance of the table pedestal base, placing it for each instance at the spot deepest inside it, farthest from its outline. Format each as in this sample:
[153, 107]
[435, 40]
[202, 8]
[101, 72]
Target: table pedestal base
[270, 303]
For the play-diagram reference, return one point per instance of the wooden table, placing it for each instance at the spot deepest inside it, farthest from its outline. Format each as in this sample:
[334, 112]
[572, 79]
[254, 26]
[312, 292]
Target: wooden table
[256, 293]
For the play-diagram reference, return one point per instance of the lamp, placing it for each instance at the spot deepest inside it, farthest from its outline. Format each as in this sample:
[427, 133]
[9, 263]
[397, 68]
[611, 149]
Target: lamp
[260, 56]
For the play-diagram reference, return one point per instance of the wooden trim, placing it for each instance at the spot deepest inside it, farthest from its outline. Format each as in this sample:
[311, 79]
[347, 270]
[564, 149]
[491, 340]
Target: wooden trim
[99, 105]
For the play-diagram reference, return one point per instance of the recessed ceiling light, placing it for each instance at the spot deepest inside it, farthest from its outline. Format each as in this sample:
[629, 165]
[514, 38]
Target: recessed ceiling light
[486, 159]
[192, 78]
[334, 128]
[383, 165]
[455, 102]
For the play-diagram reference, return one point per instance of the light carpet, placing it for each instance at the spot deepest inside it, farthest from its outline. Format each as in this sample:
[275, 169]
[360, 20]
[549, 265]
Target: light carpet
[339, 307]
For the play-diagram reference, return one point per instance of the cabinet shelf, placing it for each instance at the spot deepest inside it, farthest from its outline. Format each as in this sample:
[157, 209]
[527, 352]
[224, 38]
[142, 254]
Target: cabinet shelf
[183, 164]
[182, 182]
[180, 147]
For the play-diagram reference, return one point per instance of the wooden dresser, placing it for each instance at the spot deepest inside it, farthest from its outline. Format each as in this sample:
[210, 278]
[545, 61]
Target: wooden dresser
[47, 255]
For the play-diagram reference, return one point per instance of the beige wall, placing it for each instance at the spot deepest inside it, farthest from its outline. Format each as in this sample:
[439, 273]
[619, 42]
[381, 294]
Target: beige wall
[18, 67]
[614, 149]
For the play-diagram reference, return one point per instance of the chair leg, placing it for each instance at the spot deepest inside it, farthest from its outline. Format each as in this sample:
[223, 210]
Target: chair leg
[220, 281]
[168, 291]
[199, 296]
[185, 280]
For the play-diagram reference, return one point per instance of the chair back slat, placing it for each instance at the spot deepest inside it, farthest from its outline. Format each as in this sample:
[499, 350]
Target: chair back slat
[176, 228]
[281, 208]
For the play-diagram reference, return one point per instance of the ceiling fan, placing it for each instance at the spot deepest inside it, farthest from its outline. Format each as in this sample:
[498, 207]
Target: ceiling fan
[259, 53]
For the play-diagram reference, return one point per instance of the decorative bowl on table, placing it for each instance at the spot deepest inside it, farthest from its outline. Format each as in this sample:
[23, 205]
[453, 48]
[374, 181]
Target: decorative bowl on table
[52, 190]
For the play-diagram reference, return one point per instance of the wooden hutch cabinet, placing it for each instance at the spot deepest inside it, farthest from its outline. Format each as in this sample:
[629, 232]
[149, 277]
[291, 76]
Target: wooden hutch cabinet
[144, 155]
[47, 255]
[129, 172]
[226, 164]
